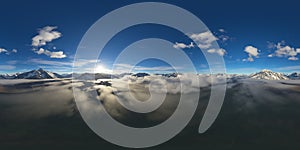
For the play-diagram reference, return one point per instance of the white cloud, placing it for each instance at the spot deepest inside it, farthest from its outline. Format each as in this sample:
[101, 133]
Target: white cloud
[252, 52]
[222, 30]
[293, 58]
[58, 54]
[182, 45]
[2, 50]
[205, 39]
[220, 51]
[283, 50]
[270, 55]
[46, 34]
[7, 52]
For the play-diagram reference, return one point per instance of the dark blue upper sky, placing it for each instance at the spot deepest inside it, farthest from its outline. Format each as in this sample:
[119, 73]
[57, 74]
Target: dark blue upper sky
[255, 34]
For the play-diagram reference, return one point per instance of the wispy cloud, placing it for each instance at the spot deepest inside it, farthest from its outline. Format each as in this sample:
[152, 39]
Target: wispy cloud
[49, 62]
[289, 68]
[125, 68]
[7, 67]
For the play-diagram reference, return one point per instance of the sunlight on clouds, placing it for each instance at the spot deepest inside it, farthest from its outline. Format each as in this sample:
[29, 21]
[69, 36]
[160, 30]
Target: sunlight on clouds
[102, 69]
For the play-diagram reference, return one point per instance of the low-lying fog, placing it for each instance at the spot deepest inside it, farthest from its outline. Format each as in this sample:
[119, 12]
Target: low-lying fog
[256, 114]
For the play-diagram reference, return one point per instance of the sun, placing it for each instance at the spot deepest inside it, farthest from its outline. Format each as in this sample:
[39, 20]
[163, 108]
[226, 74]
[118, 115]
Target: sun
[102, 69]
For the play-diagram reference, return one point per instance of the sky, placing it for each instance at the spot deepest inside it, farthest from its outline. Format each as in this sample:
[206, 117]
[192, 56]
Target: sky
[252, 35]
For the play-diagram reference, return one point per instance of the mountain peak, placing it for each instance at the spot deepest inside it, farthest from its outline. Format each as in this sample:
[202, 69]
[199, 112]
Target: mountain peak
[265, 70]
[269, 75]
[40, 69]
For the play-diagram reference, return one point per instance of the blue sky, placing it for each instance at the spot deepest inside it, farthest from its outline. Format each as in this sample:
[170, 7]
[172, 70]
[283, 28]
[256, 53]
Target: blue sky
[253, 35]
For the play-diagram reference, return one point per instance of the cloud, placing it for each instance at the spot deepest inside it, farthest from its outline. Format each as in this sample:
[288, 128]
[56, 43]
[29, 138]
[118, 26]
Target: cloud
[125, 68]
[252, 52]
[12, 62]
[49, 62]
[45, 35]
[293, 58]
[282, 50]
[205, 39]
[220, 51]
[222, 30]
[7, 67]
[2, 50]
[58, 54]
[289, 68]
[7, 52]
[182, 45]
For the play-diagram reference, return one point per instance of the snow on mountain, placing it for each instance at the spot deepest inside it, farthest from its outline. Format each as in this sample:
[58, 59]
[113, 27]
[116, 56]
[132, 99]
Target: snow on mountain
[42, 74]
[269, 75]
[36, 74]
[294, 76]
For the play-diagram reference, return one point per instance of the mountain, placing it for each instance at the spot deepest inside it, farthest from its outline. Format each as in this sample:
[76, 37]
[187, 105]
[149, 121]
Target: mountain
[269, 75]
[34, 74]
[38, 74]
[141, 74]
[294, 76]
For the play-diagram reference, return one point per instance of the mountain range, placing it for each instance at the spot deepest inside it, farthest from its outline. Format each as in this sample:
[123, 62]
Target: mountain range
[43, 74]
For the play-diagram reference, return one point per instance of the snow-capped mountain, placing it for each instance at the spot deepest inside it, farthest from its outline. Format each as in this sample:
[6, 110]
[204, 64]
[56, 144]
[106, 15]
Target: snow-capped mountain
[269, 75]
[294, 76]
[35, 74]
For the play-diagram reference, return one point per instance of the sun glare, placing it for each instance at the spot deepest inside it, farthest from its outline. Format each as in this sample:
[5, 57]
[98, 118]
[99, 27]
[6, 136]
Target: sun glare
[102, 69]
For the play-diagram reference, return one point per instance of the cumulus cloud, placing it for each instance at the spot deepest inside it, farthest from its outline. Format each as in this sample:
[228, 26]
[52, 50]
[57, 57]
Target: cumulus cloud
[58, 54]
[252, 52]
[220, 51]
[205, 39]
[182, 45]
[45, 35]
[282, 50]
